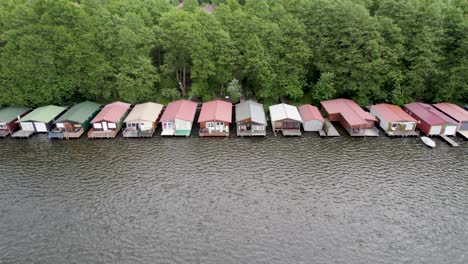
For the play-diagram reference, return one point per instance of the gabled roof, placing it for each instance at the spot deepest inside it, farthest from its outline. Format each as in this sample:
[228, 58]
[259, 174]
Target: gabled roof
[454, 111]
[216, 110]
[112, 112]
[349, 110]
[147, 112]
[284, 111]
[43, 114]
[10, 113]
[429, 114]
[181, 109]
[309, 112]
[79, 113]
[392, 113]
[252, 110]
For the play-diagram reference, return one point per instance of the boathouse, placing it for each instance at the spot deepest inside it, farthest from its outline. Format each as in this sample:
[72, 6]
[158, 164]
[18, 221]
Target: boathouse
[75, 121]
[38, 121]
[108, 122]
[431, 121]
[250, 119]
[8, 118]
[215, 118]
[393, 120]
[285, 118]
[142, 120]
[177, 119]
[312, 120]
[456, 113]
[351, 116]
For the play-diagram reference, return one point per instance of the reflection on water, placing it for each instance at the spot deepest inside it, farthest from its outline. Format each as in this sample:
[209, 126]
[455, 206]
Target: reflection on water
[233, 200]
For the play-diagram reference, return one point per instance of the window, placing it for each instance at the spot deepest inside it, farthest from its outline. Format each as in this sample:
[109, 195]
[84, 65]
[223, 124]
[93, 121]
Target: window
[210, 124]
[111, 125]
[97, 125]
[3, 126]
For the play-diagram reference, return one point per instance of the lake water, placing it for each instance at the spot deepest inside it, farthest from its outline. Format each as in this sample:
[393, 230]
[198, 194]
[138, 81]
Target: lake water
[233, 200]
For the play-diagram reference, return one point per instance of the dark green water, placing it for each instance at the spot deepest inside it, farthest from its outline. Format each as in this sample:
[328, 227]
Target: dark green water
[236, 200]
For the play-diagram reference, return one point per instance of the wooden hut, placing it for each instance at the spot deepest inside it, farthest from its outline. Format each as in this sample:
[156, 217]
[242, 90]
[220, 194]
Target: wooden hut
[40, 120]
[458, 114]
[215, 118]
[351, 116]
[431, 121]
[250, 119]
[285, 118]
[8, 118]
[177, 119]
[75, 121]
[142, 120]
[108, 122]
[312, 120]
[393, 120]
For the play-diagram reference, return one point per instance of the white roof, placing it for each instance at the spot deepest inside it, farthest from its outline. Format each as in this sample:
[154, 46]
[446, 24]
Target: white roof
[284, 111]
[147, 112]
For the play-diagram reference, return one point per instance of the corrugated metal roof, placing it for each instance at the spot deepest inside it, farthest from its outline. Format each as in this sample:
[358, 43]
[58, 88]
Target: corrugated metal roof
[79, 113]
[454, 111]
[147, 112]
[429, 114]
[112, 112]
[349, 110]
[10, 113]
[392, 113]
[284, 111]
[309, 112]
[181, 109]
[216, 110]
[43, 114]
[252, 110]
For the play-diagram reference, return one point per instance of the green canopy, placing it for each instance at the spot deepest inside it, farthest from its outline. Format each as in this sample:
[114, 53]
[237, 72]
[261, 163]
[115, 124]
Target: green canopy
[79, 113]
[43, 114]
[10, 113]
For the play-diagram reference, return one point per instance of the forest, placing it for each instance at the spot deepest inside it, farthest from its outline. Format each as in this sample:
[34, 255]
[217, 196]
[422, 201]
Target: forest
[395, 51]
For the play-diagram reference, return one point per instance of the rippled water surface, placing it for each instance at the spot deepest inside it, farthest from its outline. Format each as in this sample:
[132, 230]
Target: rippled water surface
[233, 200]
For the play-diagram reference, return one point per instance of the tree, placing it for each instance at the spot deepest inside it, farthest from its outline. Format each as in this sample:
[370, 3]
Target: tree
[234, 90]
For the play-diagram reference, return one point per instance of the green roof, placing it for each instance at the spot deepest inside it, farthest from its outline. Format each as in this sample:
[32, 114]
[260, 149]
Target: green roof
[43, 114]
[10, 113]
[79, 113]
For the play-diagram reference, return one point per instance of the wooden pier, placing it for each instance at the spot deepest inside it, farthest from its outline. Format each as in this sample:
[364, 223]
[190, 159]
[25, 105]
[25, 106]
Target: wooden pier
[328, 129]
[449, 140]
[102, 134]
[463, 134]
[130, 133]
[4, 133]
[23, 134]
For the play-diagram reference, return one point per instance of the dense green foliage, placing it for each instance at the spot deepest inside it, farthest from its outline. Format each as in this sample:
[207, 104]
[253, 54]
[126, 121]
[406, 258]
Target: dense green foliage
[397, 51]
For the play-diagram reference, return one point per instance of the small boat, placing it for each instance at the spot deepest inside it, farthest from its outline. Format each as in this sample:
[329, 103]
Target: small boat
[429, 142]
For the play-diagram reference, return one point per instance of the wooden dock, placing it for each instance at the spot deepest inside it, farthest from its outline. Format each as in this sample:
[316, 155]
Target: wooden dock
[4, 133]
[291, 133]
[463, 134]
[129, 133]
[329, 129]
[449, 140]
[102, 134]
[23, 134]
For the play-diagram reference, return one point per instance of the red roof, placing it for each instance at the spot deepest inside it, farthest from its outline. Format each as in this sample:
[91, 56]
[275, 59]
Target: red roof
[309, 112]
[392, 113]
[454, 111]
[429, 114]
[181, 109]
[349, 110]
[112, 112]
[216, 110]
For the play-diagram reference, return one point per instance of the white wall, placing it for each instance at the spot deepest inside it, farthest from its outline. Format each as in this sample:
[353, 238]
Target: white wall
[314, 125]
[183, 125]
